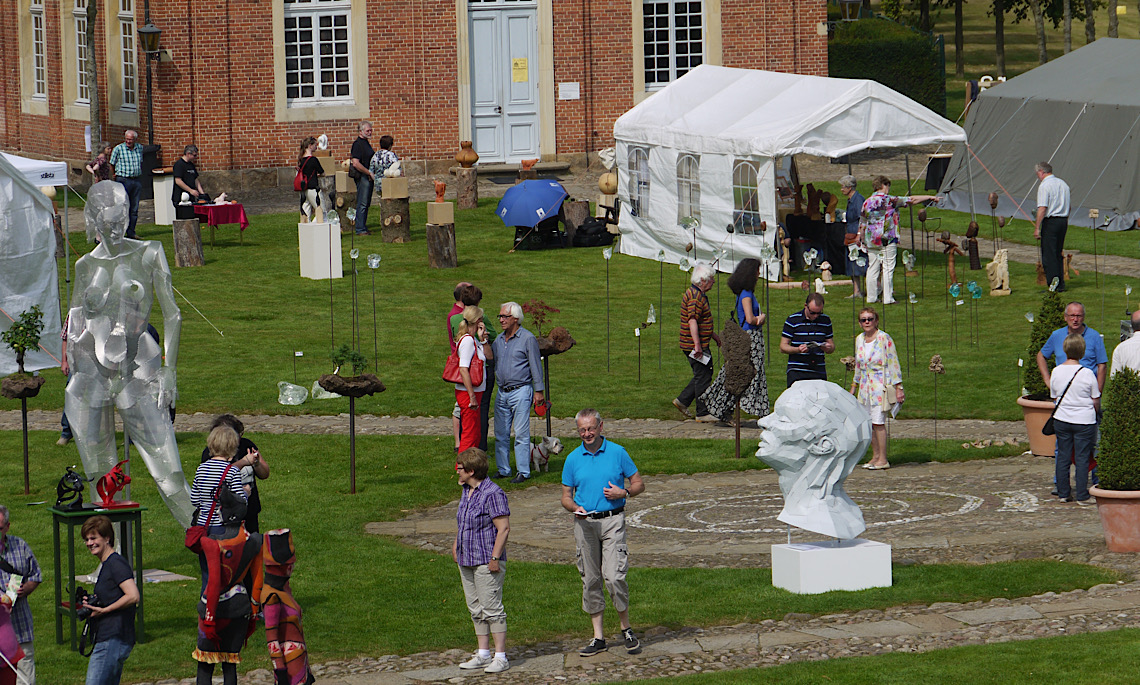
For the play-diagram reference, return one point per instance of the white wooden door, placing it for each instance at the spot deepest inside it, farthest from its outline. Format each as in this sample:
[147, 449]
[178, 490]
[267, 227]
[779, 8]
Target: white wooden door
[504, 80]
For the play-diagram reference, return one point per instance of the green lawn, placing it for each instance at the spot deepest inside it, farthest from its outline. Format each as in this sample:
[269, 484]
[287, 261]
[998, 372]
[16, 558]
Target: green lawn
[1094, 657]
[253, 294]
[357, 590]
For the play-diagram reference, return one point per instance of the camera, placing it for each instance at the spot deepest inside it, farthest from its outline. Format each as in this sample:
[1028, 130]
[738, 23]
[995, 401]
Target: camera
[81, 596]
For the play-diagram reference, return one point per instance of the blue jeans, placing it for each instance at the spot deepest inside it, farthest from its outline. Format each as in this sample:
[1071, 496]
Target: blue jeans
[1075, 441]
[105, 666]
[364, 187]
[512, 410]
[133, 187]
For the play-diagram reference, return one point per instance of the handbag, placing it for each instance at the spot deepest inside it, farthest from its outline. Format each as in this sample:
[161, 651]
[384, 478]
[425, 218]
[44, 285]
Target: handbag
[850, 238]
[451, 368]
[194, 534]
[1050, 427]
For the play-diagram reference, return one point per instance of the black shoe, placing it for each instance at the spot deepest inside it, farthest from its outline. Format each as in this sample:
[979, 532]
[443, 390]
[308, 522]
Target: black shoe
[596, 646]
[364, 232]
[497, 475]
[632, 644]
[519, 478]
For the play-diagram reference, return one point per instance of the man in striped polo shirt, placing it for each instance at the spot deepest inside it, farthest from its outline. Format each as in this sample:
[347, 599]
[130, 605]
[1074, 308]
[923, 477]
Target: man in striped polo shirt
[696, 332]
[805, 339]
[126, 160]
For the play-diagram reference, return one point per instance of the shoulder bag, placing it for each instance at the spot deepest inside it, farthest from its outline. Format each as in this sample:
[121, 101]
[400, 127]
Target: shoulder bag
[1050, 428]
[451, 369]
[194, 534]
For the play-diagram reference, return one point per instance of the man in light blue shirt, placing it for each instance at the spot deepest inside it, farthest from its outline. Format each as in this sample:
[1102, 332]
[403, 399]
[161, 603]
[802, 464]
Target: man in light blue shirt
[1096, 356]
[594, 491]
[518, 373]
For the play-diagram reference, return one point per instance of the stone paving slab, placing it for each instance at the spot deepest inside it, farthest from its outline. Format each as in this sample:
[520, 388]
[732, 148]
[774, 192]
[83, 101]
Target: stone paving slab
[979, 617]
[828, 632]
[882, 629]
[1091, 605]
[550, 663]
[432, 674]
[933, 623]
[712, 643]
[785, 637]
[676, 646]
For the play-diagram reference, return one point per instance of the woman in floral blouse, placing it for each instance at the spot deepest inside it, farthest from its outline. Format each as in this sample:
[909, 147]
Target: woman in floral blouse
[879, 232]
[877, 383]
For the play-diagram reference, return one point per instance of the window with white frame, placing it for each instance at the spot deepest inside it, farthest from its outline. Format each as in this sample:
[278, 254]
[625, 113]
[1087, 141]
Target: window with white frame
[317, 49]
[688, 187]
[745, 198]
[39, 50]
[79, 14]
[673, 33]
[130, 78]
[638, 181]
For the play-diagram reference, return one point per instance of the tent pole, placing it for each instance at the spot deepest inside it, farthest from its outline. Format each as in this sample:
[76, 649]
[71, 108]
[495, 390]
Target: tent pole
[66, 252]
[970, 181]
[906, 158]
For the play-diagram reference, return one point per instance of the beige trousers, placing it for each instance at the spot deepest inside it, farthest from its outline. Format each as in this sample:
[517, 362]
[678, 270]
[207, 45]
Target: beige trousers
[603, 557]
[484, 593]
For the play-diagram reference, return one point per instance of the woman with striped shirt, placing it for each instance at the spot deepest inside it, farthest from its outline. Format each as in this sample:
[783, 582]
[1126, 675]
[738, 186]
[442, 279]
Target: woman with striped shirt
[222, 444]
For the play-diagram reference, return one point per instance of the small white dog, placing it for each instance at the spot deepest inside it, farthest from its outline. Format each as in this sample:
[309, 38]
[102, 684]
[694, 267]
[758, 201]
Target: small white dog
[540, 453]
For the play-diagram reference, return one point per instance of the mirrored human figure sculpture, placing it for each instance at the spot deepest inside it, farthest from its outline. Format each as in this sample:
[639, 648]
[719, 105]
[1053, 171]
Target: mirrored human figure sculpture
[114, 363]
[814, 437]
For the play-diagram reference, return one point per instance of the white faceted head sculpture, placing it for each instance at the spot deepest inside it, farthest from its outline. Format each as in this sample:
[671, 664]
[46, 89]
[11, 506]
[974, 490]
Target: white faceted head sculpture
[814, 437]
[107, 212]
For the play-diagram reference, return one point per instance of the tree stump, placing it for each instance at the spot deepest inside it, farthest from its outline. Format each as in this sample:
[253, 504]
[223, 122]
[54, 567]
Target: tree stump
[395, 219]
[526, 175]
[188, 243]
[467, 188]
[441, 246]
[60, 242]
[576, 211]
[344, 198]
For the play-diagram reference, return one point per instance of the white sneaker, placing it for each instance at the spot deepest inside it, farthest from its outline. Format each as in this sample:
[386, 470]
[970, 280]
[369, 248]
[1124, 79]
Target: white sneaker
[476, 661]
[497, 666]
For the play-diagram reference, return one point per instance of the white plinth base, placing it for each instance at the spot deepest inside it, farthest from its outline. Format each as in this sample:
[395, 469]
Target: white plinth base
[163, 207]
[814, 567]
[320, 251]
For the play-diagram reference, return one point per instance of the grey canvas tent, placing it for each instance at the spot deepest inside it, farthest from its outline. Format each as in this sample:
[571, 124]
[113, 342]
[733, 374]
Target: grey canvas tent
[1081, 113]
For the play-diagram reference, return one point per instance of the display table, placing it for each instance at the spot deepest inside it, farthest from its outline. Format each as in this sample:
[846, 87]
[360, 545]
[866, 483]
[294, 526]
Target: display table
[75, 518]
[216, 215]
[163, 189]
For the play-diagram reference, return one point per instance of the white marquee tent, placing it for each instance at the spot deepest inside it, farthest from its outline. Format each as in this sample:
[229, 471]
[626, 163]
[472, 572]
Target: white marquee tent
[28, 274]
[713, 143]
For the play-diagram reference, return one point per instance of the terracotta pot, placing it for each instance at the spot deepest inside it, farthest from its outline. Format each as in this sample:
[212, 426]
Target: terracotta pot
[1119, 517]
[607, 183]
[1036, 414]
[466, 155]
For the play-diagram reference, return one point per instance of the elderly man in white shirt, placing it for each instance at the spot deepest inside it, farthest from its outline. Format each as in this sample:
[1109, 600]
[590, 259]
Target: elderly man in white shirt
[1052, 222]
[1127, 354]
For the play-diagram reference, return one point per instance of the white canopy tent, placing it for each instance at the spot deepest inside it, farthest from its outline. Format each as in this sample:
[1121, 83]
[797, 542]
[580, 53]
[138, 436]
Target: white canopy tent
[28, 274]
[715, 143]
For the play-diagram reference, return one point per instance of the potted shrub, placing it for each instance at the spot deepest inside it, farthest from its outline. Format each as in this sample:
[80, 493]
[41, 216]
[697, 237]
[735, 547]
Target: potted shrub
[1036, 404]
[1118, 463]
[357, 385]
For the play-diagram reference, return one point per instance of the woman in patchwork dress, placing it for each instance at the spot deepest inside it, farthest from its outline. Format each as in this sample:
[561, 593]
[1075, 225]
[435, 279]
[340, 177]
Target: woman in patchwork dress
[877, 383]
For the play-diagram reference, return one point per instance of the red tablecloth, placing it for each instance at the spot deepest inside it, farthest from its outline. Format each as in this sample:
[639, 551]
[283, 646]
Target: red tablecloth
[215, 215]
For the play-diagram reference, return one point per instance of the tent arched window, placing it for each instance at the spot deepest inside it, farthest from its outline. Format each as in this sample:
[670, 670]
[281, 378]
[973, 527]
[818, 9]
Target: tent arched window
[745, 198]
[638, 181]
[688, 186]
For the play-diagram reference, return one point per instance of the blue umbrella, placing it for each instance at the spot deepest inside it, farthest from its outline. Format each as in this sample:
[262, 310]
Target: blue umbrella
[529, 202]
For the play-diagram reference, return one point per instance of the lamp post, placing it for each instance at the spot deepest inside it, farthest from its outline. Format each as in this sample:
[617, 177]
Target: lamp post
[148, 36]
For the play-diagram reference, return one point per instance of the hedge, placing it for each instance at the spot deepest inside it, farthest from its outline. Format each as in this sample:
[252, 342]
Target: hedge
[898, 57]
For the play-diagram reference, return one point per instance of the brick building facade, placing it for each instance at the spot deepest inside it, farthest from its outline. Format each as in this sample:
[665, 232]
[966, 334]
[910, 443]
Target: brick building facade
[246, 80]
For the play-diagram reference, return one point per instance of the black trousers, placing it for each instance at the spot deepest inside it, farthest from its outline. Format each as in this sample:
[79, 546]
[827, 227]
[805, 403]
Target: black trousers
[702, 379]
[1053, 231]
[805, 375]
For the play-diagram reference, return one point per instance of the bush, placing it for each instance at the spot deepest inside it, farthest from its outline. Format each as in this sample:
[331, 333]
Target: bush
[898, 57]
[1118, 463]
[1049, 318]
[24, 334]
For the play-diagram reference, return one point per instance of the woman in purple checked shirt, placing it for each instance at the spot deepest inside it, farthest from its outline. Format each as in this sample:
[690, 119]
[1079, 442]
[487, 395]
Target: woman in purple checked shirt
[480, 551]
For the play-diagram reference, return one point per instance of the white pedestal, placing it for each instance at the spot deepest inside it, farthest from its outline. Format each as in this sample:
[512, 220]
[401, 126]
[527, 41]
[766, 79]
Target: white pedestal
[163, 207]
[814, 567]
[320, 250]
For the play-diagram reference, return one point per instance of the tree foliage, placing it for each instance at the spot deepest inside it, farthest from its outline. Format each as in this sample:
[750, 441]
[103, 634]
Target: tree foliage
[1118, 462]
[24, 334]
[896, 56]
[1049, 318]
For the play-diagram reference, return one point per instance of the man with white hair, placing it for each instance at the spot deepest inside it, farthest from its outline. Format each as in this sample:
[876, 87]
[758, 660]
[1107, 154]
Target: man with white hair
[518, 373]
[16, 558]
[696, 331]
[126, 161]
[1127, 354]
[359, 159]
[1052, 222]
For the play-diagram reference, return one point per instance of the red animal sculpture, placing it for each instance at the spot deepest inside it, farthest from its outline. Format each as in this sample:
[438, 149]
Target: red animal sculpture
[113, 482]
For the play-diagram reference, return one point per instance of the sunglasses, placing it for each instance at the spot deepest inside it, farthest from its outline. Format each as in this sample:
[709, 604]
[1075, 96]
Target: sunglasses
[866, 321]
[504, 316]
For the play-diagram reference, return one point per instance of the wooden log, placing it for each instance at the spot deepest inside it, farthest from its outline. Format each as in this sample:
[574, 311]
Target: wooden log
[441, 246]
[395, 220]
[188, 243]
[576, 211]
[467, 188]
[527, 175]
[343, 192]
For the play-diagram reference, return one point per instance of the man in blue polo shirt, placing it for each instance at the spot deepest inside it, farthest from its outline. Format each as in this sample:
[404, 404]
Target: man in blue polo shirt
[594, 491]
[1096, 357]
[806, 337]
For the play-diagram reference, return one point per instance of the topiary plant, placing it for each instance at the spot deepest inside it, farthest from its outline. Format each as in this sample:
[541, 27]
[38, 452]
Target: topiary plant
[346, 356]
[1118, 462]
[1049, 318]
[24, 334]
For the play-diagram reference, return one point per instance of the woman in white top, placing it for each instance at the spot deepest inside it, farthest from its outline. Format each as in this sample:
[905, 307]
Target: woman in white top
[1076, 395]
[470, 339]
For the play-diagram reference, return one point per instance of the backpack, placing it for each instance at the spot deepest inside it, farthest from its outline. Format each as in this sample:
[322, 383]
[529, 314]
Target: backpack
[299, 180]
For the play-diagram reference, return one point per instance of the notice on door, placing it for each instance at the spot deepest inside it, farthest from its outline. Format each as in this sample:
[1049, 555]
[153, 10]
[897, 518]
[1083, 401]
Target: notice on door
[519, 71]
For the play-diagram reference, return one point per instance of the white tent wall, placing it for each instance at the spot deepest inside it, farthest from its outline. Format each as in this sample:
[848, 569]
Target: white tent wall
[658, 229]
[28, 274]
